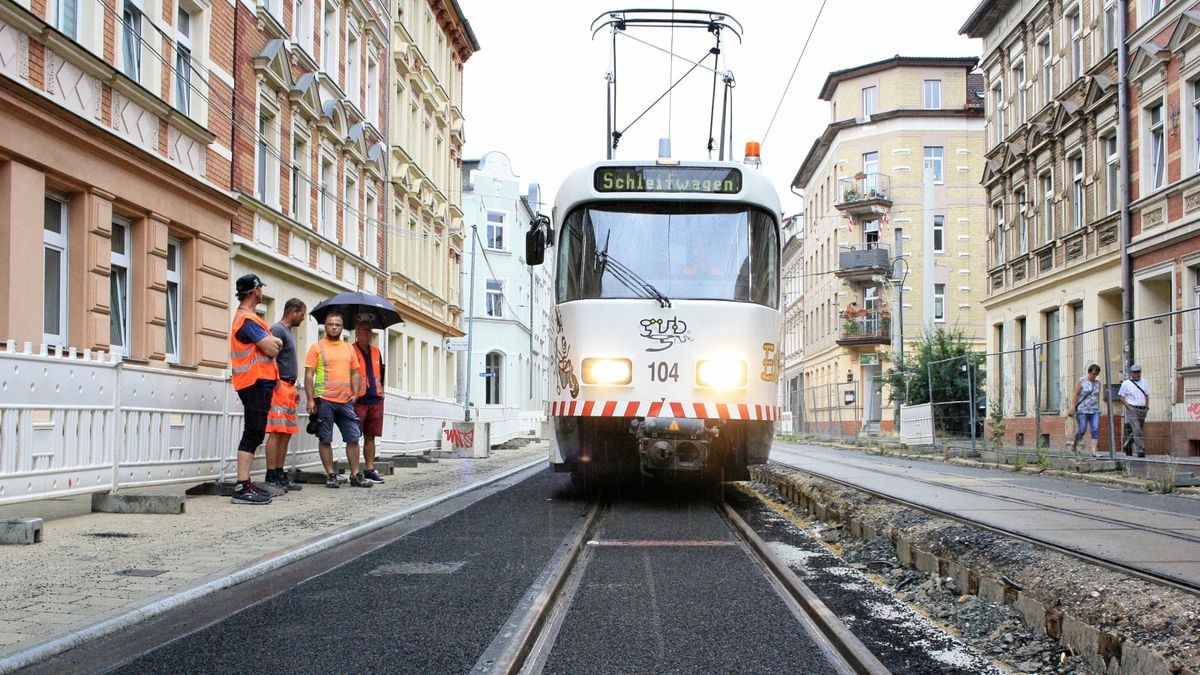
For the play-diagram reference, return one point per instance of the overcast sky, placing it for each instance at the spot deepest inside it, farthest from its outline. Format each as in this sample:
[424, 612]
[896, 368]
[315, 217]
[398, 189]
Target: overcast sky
[536, 89]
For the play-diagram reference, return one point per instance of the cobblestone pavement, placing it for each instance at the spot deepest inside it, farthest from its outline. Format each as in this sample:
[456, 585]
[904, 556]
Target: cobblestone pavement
[74, 578]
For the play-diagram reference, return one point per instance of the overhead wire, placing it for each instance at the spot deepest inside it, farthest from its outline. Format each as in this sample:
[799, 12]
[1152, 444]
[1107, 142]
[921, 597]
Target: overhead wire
[796, 67]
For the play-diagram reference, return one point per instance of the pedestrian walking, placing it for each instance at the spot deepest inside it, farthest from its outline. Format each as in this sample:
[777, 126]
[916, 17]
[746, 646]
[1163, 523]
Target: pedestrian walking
[1085, 406]
[331, 381]
[369, 405]
[252, 351]
[1135, 393]
[281, 418]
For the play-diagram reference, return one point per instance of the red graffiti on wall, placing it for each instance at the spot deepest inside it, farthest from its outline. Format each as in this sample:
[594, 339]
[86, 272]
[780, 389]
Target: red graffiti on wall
[459, 438]
[1194, 410]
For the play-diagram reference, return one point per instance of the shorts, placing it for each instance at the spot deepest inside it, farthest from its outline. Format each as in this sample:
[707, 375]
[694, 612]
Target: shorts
[342, 414]
[370, 418]
[281, 418]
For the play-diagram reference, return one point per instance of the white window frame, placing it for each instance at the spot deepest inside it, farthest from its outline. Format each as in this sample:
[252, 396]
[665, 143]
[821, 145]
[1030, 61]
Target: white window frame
[1110, 26]
[131, 40]
[1112, 172]
[118, 286]
[1075, 25]
[1195, 87]
[932, 94]
[66, 18]
[1153, 7]
[329, 38]
[174, 319]
[939, 302]
[1046, 182]
[1019, 97]
[998, 111]
[998, 234]
[1079, 193]
[353, 58]
[494, 298]
[939, 234]
[1046, 52]
[371, 237]
[1156, 148]
[937, 160]
[60, 242]
[372, 88]
[496, 230]
[870, 95]
[183, 59]
[1022, 220]
[298, 203]
[302, 33]
[327, 212]
[351, 213]
[266, 186]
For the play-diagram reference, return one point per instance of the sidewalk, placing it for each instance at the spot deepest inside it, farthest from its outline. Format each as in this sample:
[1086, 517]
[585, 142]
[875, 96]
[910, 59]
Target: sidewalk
[94, 567]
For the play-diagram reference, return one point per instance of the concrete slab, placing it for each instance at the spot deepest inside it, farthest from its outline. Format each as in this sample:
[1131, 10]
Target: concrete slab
[21, 531]
[108, 502]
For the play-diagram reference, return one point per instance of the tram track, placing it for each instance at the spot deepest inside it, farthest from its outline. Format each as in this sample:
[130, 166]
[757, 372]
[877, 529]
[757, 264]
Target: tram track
[526, 642]
[1042, 542]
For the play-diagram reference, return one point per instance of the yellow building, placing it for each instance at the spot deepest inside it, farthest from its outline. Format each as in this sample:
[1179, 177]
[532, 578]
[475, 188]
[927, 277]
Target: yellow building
[431, 40]
[893, 208]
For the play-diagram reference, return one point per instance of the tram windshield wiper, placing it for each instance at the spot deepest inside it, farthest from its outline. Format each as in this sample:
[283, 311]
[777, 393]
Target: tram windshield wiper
[628, 278]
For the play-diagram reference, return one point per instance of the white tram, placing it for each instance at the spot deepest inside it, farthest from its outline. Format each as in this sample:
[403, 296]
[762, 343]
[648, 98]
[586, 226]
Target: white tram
[667, 319]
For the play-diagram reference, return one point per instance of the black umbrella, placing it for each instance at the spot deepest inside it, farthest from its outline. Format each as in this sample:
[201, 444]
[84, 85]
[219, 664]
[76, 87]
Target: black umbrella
[355, 307]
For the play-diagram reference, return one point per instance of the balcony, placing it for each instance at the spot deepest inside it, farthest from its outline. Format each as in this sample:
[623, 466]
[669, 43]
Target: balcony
[865, 194]
[865, 328]
[864, 266]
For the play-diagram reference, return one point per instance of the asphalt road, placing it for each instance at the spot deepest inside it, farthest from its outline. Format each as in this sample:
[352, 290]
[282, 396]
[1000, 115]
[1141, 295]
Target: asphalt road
[430, 602]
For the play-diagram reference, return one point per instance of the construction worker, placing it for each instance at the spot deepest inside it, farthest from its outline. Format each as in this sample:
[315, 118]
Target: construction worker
[331, 381]
[369, 406]
[281, 419]
[252, 351]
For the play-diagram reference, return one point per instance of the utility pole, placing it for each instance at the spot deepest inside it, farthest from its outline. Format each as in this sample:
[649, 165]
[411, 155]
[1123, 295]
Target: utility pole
[470, 323]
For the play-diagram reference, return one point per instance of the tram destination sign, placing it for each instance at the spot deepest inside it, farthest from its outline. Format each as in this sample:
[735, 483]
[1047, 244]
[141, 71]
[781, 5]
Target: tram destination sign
[692, 179]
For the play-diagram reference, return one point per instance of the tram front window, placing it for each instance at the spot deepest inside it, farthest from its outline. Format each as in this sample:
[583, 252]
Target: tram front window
[685, 251]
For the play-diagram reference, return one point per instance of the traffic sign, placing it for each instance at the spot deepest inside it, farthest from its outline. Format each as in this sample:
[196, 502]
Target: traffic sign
[456, 344]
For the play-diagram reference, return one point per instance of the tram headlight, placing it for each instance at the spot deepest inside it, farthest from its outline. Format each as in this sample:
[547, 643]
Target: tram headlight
[607, 371]
[721, 373]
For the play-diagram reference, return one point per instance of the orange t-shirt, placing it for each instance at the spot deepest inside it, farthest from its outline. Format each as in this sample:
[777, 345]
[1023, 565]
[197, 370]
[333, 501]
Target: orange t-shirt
[333, 362]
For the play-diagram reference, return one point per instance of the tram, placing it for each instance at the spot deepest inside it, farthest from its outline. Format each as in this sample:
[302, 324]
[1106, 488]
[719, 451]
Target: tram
[666, 322]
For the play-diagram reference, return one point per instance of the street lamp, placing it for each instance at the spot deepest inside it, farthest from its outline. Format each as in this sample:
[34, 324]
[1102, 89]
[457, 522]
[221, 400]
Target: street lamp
[900, 328]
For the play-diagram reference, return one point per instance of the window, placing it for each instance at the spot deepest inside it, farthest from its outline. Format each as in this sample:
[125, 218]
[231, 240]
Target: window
[372, 91]
[174, 284]
[299, 180]
[1047, 69]
[118, 288]
[1110, 26]
[939, 302]
[1022, 221]
[54, 282]
[1053, 388]
[870, 167]
[939, 234]
[131, 41]
[268, 175]
[1019, 97]
[328, 195]
[1075, 23]
[1153, 7]
[870, 101]
[1047, 182]
[998, 257]
[352, 60]
[1022, 381]
[302, 23]
[933, 160]
[495, 298]
[370, 238]
[350, 219]
[1196, 303]
[183, 62]
[1077, 194]
[495, 229]
[68, 18]
[329, 40]
[933, 94]
[1112, 176]
[1195, 87]
[998, 112]
[493, 362]
[1157, 163]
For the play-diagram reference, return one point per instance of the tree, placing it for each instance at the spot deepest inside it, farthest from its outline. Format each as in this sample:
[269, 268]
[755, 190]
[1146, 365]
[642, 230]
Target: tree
[943, 358]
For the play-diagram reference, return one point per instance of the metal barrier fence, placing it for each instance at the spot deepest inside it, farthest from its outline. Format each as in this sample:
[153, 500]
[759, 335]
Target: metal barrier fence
[834, 410]
[76, 421]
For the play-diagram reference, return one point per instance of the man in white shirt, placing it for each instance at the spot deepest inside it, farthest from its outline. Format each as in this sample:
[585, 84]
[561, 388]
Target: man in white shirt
[1135, 393]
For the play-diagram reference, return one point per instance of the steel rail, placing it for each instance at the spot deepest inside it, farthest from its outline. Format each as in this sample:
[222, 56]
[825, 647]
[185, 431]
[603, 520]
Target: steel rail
[841, 644]
[1145, 575]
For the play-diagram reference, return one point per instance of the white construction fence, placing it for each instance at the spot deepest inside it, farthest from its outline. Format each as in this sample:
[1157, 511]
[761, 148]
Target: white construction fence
[77, 421]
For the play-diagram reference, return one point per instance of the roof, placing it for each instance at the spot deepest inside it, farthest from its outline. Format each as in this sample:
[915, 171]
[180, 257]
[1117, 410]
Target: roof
[983, 19]
[466, 25]
[838, 76]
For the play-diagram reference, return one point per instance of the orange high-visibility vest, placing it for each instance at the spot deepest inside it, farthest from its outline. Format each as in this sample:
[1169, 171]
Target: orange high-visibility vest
[337, 391]
[375, 368]
[248, 362]
[281, 418]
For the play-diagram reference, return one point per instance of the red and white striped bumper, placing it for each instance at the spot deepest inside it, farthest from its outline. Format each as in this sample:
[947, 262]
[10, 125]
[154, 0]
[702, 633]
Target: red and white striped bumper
[712, 411]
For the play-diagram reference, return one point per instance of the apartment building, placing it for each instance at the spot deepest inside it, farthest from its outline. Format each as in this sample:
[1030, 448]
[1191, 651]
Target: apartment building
[893, 225]
[431, 40]
[509, 363]
[309, 150]
[114, 135]
[792, 358]
[1053, 188]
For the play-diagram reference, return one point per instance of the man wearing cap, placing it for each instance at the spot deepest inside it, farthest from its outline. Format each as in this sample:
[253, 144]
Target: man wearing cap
[252, 351]
[1135, 393]
[281, 419]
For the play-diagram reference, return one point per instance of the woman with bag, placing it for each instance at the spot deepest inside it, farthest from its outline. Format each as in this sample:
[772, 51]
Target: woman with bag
[1086, 408]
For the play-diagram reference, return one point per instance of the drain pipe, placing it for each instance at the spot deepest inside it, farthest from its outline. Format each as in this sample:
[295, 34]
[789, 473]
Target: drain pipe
[1123, 157]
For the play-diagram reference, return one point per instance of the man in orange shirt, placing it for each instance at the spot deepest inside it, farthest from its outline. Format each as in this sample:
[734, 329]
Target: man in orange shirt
[331, 379]
[252, 351]
[369, 406]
